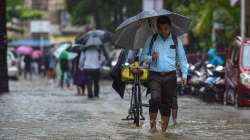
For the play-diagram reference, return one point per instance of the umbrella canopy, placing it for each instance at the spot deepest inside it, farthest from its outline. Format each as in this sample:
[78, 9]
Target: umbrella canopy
[133, 32]
[94, 41]
[67, 55]
[75, 48]
[63, 55]
[57, 52]
[36, 54]
[95, 37]
[25, 50]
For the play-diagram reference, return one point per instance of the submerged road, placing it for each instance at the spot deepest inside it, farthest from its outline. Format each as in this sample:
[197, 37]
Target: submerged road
[39, 110]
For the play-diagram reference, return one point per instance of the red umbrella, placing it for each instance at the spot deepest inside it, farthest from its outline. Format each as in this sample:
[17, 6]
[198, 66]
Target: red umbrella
[25, 50]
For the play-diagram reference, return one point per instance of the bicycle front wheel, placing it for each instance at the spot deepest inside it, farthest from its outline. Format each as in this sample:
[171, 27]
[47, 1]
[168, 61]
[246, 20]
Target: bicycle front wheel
[137, 107]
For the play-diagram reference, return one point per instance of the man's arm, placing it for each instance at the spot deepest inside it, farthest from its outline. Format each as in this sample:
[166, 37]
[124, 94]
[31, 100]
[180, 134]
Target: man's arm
[145, 56]
[182, 59]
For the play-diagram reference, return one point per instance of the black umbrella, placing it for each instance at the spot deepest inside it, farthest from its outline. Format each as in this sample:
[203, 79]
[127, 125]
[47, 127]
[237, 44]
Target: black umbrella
[133, 32]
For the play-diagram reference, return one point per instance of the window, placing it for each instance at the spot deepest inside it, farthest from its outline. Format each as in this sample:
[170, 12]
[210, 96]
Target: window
[39, 4]
[246, 56]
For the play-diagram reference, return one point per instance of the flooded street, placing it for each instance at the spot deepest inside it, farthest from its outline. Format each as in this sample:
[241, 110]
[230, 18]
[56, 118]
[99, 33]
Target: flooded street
[38, 110]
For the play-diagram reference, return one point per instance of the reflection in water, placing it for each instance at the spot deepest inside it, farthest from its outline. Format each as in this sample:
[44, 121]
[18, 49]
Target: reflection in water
[39, 110]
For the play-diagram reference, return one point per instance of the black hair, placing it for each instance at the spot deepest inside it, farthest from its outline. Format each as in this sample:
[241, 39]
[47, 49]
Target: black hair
[163, 20]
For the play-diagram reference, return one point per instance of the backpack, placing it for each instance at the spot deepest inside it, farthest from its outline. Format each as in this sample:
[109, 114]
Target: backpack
[82, 57]
[64, 64]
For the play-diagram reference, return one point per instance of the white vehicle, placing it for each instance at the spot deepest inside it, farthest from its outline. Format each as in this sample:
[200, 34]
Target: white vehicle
[12, 65]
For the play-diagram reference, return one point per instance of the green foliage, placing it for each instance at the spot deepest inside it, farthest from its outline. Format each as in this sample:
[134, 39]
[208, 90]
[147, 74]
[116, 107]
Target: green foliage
[204, 13]
[17, 9]
[32, 14]
[204, 24]
[108, 14]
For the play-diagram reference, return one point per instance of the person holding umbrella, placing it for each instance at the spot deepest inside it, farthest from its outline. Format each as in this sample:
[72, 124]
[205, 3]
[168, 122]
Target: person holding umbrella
[27, 66]
[79, 75]
[92, 57]
[156, 31]
[27, 52]
[162, 76]
[64, 59]
[64, 65]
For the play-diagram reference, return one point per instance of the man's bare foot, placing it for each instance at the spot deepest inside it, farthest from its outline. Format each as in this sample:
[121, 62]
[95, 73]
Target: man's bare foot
[78, 94]
[153, 130]
[174, 123]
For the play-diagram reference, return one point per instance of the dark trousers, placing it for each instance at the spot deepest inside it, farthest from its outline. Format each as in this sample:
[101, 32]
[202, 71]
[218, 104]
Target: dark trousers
[27, 71]
[93, 77]
[163, 92]
[63, 72]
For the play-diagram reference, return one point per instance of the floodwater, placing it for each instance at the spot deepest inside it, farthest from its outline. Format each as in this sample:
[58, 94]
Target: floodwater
[39, 110]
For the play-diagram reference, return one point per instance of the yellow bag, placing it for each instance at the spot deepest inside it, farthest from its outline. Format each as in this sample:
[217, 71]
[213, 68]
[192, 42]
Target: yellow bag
[127, 72]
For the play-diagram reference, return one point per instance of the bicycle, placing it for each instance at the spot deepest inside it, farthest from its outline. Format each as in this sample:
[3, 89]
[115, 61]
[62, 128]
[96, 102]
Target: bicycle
[139, 74]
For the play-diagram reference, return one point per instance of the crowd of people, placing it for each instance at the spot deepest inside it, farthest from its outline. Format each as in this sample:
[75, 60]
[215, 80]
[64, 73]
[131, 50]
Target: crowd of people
[83, 71]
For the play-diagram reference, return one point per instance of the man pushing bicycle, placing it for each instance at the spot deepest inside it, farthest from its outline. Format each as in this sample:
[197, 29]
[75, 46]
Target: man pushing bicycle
[161, 51]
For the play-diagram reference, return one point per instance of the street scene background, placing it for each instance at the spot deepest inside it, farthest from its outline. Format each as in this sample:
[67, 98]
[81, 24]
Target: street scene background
[45, 95]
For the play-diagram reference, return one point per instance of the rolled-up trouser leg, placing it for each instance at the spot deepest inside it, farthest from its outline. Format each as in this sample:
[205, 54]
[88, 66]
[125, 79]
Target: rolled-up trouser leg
[174, 100]
[165, 109]
[174, 108]
[169, 95]
[153, 106]
[155, 89]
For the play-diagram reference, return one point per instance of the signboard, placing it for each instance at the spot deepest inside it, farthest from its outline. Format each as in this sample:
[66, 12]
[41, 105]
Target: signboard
[152, 4]
[58, 39]
[40, 26]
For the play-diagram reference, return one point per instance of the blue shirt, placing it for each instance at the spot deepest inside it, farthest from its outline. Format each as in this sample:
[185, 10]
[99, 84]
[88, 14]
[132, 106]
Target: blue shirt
[214, 58]
[167, 56]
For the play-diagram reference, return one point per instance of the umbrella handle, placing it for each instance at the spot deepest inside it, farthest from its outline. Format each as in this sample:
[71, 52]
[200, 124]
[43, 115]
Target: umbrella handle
[151, 26]
[149, 23]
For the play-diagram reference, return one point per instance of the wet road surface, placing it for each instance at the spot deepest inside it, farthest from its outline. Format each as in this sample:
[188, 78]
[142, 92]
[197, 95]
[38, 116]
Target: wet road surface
[39, 110]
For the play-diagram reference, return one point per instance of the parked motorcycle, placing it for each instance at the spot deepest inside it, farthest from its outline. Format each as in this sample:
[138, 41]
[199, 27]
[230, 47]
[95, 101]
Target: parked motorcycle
[195, 76]
[214, 85]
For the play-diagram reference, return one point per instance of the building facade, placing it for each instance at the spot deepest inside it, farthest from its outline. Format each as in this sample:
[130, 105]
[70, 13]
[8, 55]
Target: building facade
[58, 28]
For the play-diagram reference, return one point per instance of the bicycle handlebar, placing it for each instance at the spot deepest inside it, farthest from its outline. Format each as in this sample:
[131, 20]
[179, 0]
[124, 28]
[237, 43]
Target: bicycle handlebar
[135, 67]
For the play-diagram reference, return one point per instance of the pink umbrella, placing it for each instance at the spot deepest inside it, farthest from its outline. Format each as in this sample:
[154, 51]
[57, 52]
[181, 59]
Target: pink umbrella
[37, 54]
[25, 50]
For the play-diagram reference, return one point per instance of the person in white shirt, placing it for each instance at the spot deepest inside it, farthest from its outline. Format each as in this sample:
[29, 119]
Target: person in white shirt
[91, 63]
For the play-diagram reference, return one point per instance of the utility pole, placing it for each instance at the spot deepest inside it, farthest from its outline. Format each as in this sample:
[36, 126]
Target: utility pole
[243, 19]
[4, 81]
[152, 4]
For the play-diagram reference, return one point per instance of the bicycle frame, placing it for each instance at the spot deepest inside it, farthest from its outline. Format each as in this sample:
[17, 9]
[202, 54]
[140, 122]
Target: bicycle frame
[135, 110]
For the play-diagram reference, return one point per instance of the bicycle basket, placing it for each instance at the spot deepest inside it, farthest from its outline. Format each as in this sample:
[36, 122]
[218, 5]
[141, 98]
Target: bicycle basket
[127, 72]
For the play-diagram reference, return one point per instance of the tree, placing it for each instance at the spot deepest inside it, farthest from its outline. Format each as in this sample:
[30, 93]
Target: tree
[4, 83]
[107, 14]
[205, 14]
[17, 9]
